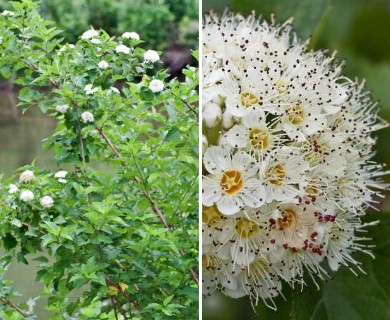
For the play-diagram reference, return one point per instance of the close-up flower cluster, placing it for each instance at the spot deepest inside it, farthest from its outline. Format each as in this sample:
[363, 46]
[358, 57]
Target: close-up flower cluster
[287, 160]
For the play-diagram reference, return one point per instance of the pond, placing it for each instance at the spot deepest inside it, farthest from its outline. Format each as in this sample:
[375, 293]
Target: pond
[20, 144]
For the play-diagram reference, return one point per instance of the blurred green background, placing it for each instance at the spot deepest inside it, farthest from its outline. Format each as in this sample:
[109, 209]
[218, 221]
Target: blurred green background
[159, 22]
[360, 32]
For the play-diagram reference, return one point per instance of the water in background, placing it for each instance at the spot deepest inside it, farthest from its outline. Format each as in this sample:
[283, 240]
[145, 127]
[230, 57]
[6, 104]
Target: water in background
[20, 143]
[21, 136]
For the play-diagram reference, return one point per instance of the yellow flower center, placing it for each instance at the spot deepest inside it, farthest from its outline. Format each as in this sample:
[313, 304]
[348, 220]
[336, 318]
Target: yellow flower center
[295, 114]
[246, 228]
[312, 190]
[316, 151]
[281, 86]
[211, 215]
[248, 99]
[287, 218]
[258, 268]
[277, 174]
[259, 139]
[231, 182]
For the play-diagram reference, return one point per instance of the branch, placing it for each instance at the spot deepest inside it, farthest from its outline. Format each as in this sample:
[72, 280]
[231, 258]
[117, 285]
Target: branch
[112, 147]
[187, 104]
[128, 298]
[120, 309]
[113, 306]
[36, 229]
[153, 204]
[14, 306]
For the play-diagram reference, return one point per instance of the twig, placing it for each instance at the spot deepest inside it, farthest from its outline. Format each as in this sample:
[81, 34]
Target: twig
[153, 204]
[14, 306]
[82, 153]
[120, 309]
[128, 298]
[113, 306]
[32, 227]
[100, 130]
[187, 104]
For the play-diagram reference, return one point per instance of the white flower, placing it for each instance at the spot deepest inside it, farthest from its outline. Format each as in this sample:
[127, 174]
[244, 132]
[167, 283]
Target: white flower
[63, 108]
[13, 188]
[288, 159]
[253, 134]
[87, 116]
[89, 90]
[284, 174]
[231, 183]
[95, 41]
[103, 65]
[47, 202]
[26, 196]
[27, 176]
[239, 235]
[8, 13]
[131, 35]
[89, 34]
[151, 56]
[156, 85]
[60, 174]
[62, 180]
[122, 49]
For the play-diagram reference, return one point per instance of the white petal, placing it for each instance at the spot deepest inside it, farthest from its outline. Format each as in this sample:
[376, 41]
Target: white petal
[216, 159]
[211, 191]
[238, 136]
[228, 205]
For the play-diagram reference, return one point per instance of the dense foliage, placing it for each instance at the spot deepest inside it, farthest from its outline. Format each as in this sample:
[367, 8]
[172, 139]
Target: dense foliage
[159, 21]
[125, 236]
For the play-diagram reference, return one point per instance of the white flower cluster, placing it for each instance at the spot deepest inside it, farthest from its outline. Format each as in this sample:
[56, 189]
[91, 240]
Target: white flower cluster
[151, 56]
[90, 34]
[27, 176]
[288, 167]
[103, 65]
[131, 35]
[47, 202]
[62, 108]
[121, 48]
[87, 116]
[156, 85]
[8, 13]
[60, 175]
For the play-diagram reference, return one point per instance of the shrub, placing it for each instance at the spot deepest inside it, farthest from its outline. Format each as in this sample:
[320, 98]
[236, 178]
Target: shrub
[125, 235]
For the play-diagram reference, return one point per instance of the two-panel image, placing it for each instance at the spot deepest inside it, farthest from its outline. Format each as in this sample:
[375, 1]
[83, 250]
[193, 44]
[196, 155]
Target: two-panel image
[180, 159]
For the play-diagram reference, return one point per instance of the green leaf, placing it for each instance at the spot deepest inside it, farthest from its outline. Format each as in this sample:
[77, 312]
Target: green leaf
[167, 300]
[9, 241]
